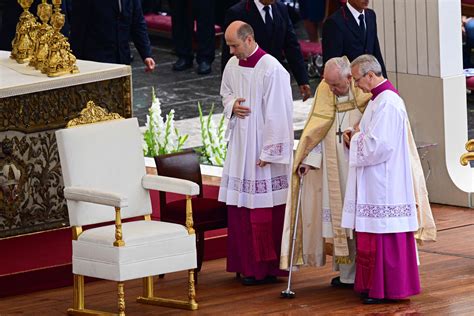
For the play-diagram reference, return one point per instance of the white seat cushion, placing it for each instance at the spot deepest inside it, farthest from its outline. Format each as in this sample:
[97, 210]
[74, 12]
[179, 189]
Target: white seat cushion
[151, 248]
[134, 233]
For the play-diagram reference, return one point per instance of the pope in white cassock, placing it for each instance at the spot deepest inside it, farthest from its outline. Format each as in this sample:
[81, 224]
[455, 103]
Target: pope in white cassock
[380, 199]
[257, 98]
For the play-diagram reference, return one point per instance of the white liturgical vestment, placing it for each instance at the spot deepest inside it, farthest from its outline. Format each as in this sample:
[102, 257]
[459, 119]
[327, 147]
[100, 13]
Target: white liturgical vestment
[379, 193]
[317, 158]
[266, 134]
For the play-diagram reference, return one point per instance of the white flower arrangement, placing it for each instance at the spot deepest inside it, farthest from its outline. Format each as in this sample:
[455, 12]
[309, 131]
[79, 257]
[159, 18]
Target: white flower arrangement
[161, 137]
[214, 145]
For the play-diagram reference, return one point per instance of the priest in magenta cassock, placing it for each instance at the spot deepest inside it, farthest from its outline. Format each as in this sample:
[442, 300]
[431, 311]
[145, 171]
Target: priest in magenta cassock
[257, 98]
[380, 201]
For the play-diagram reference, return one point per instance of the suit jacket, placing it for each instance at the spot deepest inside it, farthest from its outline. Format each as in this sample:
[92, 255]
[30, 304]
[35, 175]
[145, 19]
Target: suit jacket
[100, 32]
[341, 36]
[282, 43]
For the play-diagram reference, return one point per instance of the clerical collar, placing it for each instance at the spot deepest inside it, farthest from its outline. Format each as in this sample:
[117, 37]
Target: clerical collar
[354, 12]
[253, 59]
[381, 87]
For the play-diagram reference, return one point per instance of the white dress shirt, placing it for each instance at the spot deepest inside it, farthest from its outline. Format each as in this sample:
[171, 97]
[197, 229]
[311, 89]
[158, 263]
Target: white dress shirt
[356, 14]
[260, 7]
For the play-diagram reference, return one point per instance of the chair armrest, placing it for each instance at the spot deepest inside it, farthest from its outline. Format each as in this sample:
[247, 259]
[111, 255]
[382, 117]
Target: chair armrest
[95, 196]
[168, 184]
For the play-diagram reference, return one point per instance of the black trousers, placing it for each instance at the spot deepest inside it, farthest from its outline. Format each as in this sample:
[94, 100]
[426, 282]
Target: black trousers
[183, 15]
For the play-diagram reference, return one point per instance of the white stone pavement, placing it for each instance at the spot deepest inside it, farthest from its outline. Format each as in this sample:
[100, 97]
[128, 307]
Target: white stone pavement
[192, 126]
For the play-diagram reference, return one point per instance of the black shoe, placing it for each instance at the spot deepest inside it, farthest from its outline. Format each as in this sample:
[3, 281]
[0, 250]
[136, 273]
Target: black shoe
[253, 281]
[204, 68]
[371, 301]
[336, 282]
[182, 64]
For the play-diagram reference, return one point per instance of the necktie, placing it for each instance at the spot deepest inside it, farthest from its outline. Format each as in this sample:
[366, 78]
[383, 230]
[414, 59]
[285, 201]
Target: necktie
[362, 27]
[268, 20]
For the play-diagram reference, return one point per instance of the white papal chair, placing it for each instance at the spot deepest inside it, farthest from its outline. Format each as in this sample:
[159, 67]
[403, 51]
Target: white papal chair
[105, 180]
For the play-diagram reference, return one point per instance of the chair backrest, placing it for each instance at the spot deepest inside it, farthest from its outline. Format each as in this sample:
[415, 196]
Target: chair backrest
[183, 165]
[105, 156]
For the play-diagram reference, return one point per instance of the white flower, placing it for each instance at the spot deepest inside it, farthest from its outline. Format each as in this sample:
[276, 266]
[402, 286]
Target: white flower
[214, 145]
[160, 136]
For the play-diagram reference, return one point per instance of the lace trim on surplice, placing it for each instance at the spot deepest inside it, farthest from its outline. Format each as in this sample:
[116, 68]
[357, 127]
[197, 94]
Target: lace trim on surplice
[379, 211]
[255, 186]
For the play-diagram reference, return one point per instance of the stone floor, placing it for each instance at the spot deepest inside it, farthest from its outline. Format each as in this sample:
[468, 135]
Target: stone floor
[182, 91]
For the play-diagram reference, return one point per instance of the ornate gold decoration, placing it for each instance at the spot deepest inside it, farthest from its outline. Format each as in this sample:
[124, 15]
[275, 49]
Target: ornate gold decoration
[23, 44]
[47, 110]
[43, 37]
[40, 203]
[189, 215]
[60, 61]
[469, 156]
[93, 114]
[121, 299]
[118, 229]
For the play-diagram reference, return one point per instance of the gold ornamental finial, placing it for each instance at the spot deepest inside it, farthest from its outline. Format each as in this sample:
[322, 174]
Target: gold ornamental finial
[60, 58]
[23, 44]
[45, 31]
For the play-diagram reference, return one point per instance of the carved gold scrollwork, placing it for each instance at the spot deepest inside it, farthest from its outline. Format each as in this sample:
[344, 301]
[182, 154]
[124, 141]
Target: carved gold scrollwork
[93, 114]
[469, 156]
[51, 109]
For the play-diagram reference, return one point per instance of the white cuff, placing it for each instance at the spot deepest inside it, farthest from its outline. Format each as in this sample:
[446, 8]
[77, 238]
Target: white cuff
[314, 160]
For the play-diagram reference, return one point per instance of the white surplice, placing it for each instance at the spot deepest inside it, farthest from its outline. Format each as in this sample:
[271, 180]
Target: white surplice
[266, 134]
[379, 193]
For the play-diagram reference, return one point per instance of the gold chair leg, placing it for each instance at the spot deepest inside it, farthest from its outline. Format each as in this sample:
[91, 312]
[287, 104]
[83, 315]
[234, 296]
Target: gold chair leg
[149, 298]
[191, 290]
[78, 299]
[121, 299]
[78, 302]
[148, 287]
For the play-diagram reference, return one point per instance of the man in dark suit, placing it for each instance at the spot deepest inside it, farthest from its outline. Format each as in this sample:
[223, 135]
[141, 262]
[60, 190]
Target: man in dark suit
[274, 33]
[352, 31]
[101, 31]
[183, 14]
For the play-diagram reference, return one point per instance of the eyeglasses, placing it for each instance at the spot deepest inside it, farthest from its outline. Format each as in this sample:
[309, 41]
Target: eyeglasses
[358, 79]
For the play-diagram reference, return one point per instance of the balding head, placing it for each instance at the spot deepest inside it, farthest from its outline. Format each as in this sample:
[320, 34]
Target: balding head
[239, 36]
[337, 74]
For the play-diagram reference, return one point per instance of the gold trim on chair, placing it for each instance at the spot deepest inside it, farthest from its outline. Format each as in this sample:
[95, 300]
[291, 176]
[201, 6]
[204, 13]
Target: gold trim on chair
[189, 215]
[148, 288]
[92, 114]
[469, 156]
